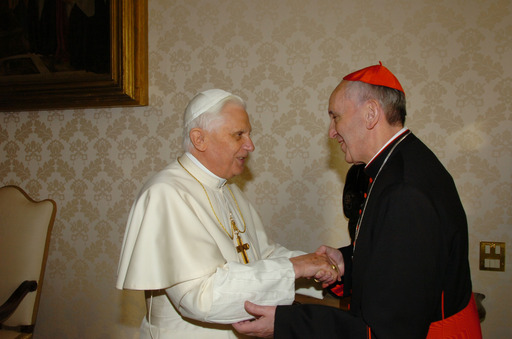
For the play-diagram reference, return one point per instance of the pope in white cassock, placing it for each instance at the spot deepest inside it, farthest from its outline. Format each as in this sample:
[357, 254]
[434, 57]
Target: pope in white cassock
[196, 245]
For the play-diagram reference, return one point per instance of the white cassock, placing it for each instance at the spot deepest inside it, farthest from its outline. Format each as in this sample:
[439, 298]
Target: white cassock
[175, 247]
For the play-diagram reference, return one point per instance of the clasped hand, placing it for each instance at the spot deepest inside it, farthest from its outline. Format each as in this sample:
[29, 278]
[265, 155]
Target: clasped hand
[318, 265]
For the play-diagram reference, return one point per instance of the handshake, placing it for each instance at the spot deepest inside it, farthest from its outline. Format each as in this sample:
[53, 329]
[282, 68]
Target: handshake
[325, 265]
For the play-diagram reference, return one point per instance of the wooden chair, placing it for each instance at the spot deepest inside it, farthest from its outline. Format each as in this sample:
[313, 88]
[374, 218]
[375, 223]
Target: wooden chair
[25, 228]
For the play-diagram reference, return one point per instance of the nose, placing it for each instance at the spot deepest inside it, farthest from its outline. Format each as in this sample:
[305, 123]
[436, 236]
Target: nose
[332, 131]
[249, 145]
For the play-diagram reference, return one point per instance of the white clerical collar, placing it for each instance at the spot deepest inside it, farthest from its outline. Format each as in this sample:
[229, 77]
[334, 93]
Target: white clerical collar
[387, 143]
[206, 170]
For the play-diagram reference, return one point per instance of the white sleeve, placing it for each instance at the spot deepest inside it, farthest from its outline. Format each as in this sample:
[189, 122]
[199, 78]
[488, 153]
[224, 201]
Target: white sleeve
[220, 297]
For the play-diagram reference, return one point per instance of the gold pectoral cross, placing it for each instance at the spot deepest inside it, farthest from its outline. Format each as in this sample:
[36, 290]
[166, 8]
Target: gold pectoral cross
[241, 248]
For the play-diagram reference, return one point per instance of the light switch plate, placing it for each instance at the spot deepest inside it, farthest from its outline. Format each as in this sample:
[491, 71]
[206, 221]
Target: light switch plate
[492, 256]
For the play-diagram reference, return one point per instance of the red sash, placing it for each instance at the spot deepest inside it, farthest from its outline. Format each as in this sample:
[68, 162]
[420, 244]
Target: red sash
[462, 325]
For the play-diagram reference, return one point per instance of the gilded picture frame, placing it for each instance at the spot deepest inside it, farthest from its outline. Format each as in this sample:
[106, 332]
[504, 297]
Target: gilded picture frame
[126, 85]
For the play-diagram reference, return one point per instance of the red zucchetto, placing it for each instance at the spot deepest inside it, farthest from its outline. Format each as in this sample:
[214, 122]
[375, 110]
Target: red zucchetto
[376, 75]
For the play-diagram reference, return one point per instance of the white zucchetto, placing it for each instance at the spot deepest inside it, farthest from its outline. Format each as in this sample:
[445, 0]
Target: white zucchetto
[202, 102]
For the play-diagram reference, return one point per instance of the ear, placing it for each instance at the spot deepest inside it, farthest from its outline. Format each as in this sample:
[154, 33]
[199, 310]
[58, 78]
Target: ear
[198, 139]
[373, 113]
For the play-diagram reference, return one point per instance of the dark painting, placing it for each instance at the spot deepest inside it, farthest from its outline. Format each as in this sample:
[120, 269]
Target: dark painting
[61, 54]
[51, 36]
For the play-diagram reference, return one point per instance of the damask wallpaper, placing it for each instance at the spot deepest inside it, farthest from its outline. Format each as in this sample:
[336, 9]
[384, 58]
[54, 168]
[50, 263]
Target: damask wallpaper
[284, 57]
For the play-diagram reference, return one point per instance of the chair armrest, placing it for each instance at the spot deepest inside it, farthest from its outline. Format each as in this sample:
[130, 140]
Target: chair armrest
[8, 307]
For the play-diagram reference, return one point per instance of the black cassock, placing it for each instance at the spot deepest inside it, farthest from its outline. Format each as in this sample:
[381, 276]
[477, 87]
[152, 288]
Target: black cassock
[412, 247]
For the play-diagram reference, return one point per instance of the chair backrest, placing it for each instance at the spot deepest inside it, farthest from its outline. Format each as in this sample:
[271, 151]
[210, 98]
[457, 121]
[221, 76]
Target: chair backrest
[25, 228]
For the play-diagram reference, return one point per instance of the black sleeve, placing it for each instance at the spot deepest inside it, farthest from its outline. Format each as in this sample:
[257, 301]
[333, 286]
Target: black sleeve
[347, 276]
[317, 321]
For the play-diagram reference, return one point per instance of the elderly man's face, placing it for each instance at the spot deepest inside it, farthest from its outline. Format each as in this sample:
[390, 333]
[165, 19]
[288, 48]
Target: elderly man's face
[230, 143]
[347, 125]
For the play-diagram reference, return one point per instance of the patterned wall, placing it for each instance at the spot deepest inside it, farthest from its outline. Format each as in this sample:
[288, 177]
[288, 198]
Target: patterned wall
[284, 57]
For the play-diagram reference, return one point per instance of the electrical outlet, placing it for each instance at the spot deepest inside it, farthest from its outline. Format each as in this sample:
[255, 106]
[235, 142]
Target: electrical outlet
[492, 256]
